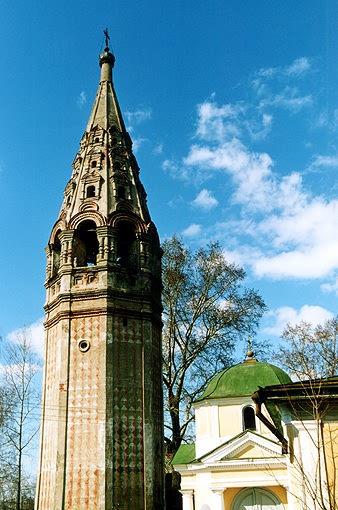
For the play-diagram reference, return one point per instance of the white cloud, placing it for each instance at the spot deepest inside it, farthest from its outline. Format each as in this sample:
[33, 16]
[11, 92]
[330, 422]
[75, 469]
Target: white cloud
[298, 67]
[205, 200]
[287, 315]
[34, 333]
[299, 264]
[289, 98]
[218, 122]
[283, 229]
[320, 160]
[275, 87]
[82, 99]
[158, 149]
[138, 142]
[138, 116]
[192, 231]
[176, 170]
[296, 231]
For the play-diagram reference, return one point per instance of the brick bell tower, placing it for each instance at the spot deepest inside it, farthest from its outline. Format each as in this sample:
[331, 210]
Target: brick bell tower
[101, 431]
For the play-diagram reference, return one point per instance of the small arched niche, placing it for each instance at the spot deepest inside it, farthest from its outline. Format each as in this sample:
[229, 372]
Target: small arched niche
[126, 246]
[86, 245]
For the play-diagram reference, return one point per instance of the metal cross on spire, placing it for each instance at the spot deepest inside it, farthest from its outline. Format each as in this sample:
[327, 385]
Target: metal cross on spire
[249, 354]
[107, 38]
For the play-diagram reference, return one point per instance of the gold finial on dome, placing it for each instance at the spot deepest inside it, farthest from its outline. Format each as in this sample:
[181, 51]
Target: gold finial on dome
[250, 354]
[107, 60]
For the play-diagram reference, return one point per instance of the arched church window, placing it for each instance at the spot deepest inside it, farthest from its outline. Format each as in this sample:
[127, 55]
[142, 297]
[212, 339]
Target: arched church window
[126, 254]
[90, 192]
[86, 245]
[249, 420]
[93, 165]
[56, 252]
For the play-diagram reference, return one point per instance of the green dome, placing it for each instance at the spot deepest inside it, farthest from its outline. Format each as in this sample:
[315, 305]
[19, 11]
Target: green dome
[244, 379]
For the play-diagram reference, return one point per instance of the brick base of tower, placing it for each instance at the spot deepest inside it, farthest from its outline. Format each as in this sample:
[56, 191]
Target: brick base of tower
[101, 438]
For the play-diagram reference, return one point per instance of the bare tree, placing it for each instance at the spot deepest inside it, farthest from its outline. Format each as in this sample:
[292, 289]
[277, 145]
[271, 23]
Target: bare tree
[20, 402]
[308, 408]
[206, 311]
[311, 351]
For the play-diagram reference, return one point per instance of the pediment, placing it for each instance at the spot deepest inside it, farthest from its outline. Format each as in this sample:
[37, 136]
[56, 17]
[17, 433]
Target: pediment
[248, 445]
[94, 151]
[91, 176]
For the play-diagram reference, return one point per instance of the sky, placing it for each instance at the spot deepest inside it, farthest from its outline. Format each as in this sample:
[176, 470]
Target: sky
[233, 111]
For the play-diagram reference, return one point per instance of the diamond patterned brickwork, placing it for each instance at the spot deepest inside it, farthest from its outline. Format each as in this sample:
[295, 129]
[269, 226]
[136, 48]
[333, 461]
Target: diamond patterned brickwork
[86, 415]
[127, 393]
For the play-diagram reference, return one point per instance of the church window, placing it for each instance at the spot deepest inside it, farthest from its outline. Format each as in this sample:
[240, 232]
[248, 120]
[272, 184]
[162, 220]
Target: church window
[249, 420]
[125, 243]
[86, 245]
[90, 192]
[93, 165]
[121, 192]
[97, 140]
[117, 165]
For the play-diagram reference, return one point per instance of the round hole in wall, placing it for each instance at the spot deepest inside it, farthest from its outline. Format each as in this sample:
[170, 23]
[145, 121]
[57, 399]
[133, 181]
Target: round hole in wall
[84, 345]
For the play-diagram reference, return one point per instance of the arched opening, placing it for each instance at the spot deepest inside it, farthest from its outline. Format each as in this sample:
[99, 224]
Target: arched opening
[249, 420]
[93, 164]
[56, 252]
[126, 254]
[90, 192]
[121, 192]
[86, 245]
[256, 499]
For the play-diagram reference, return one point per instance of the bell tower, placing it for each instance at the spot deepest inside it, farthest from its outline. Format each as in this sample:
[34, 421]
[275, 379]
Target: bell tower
[101, 443]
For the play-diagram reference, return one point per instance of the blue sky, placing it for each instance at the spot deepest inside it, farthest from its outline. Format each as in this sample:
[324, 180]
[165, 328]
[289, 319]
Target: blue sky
[233, 110]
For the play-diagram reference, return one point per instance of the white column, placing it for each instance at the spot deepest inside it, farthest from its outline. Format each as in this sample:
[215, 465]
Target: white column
[188, 499]
[218, 499]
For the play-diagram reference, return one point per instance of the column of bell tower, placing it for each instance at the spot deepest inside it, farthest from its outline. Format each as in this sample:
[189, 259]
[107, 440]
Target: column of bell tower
[101, 441]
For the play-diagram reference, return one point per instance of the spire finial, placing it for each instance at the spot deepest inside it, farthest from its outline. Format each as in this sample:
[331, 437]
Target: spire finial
[250, 354]
[107, 60]
[107, 39]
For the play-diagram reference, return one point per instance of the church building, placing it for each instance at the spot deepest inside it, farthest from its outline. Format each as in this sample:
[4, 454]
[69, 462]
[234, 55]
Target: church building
[101, 441]
[262, 442]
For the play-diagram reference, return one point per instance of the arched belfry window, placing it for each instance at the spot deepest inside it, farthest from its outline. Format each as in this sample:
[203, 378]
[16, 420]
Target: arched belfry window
[56, 252]
[126, 249]
[86, 245]
[121, 192]
[249, 420]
